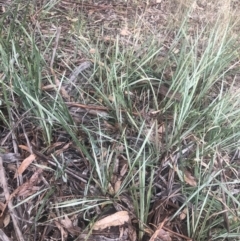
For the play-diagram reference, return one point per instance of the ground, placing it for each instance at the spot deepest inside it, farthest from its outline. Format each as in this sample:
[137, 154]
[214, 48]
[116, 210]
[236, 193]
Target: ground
[119, 120]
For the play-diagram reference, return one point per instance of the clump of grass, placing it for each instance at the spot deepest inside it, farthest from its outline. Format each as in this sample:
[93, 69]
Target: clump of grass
[143, 143]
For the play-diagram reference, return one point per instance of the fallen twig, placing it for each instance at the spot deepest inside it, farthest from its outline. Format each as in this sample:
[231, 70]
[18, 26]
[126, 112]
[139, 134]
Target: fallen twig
[93, 107]
[8, 200]
[55, 47]
[3, 236]
[78, 176]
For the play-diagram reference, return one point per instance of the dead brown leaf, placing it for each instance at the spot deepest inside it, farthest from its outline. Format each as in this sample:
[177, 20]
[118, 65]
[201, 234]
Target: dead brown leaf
[117, 186]
[189, 179]
[24, 148]
[109, 126]
[124, 170]
[116, 219]
[28, 187]
[49, 87]
[35, 177]
[54, 146]
[68, 224]
[118, 182]
[125, 32]
[64, 148]
[161, 129]
[111, 98]
[92, 51]
[132, 232]
[183, 214]
[24, 165]
[64, 232]
[129, 93]
[25, 189]
[110, 189]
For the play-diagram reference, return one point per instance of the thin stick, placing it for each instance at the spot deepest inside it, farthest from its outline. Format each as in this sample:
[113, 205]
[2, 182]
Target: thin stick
[63, 92]
[177, 234]
[13, 127]
[8, 199]
[93, 107]
[55, 47]
[3, 236]
[72, 173]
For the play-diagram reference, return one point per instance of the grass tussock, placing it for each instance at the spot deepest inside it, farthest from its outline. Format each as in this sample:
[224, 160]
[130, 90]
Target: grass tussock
[119, 127]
